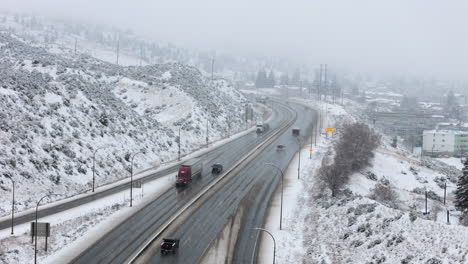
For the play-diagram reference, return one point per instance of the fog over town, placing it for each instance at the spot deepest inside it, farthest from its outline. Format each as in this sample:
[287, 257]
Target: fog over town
[423, 37]
[241, 131]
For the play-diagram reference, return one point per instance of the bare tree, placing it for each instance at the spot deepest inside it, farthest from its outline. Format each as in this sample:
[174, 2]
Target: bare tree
[353, 151]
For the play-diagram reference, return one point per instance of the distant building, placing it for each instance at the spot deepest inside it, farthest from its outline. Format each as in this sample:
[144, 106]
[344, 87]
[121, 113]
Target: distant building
[445, 143]
[452, 126]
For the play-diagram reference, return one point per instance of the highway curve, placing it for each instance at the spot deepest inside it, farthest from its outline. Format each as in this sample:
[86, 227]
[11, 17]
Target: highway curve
[252, 188]
[245, 141]
[120, 244]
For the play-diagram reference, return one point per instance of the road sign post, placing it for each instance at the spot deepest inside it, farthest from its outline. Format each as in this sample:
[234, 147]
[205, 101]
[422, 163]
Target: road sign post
[43, 229]
[137, 184]
[329, 129]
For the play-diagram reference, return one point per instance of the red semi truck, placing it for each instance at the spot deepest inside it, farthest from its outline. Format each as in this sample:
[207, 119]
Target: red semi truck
[187, 171]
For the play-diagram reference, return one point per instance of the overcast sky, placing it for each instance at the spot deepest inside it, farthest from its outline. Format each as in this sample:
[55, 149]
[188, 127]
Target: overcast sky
[427, 37]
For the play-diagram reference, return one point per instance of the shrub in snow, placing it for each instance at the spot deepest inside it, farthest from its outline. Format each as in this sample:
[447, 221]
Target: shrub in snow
[365, 208]
[384, 181]
[81, 170]
[413, 170]
[370, 175]
[385, 194]
[352, 220]
[395, 240]
[356, 243]
[377, 259]
[407, 260]
[440, 181]
[434, 261]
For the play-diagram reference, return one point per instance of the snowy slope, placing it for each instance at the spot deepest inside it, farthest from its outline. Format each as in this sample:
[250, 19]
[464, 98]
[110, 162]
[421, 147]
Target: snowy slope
[354, 228]
[55, 111]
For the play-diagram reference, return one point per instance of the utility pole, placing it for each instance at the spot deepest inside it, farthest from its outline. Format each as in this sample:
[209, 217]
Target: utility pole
[299, 143]
[311, 139]
[425, 192]
[320, 83]
[342, 94]
[178, 152]
[141, 54]
[118, 49]
[206, 132]
[445, 191]
[212, 69]
[300, 93]
[75, 45]
[325, 83]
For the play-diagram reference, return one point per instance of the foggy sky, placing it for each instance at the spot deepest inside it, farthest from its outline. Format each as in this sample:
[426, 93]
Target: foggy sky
[426, 37]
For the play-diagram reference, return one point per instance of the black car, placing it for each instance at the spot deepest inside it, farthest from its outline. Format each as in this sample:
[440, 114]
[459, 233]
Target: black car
[216, 168]
[169, 246]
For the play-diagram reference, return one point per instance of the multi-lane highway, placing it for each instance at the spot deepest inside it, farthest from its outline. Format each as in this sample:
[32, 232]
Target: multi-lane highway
[121, 243]
[244, 142]
[251, 188]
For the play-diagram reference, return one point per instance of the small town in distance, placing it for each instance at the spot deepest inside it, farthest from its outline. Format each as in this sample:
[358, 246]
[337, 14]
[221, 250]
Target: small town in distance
[233, 132]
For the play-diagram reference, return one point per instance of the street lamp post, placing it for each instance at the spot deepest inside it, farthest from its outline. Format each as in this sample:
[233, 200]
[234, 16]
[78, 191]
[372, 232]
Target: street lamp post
[12, 205]
[282, 180]
[207, 133]
[178, 152]
[94, 163]
[274, 242]
[131, 178]
[299, 164]
[35, 228]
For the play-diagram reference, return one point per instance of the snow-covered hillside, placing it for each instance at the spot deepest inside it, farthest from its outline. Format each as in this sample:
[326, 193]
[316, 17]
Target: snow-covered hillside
[55, 111]
[64, 36]
[356, 227]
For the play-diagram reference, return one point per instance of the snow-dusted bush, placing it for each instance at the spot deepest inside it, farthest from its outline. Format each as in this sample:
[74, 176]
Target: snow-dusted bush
[385, 194]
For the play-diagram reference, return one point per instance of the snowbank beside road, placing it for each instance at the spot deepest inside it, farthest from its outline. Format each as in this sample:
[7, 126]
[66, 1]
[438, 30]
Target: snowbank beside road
[290, 240]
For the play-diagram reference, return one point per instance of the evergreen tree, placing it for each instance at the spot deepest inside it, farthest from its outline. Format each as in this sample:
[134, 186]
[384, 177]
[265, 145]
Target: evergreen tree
[461, 194]
[271, 79]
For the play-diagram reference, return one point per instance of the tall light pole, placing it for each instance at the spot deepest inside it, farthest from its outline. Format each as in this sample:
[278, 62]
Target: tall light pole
[299, 162]
[131, 177]
[178, 152]
[94, 163]
[207, 140]
[35, 227]
[311, 141]
[12, 205]
[282, 180]
[212, 70]
[274, 242]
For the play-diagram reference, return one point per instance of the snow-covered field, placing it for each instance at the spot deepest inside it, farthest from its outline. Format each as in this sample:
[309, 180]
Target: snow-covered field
[357, 229]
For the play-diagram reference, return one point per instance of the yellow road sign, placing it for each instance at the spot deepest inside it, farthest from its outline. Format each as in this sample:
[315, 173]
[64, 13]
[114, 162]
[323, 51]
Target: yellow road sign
[310, 150]
[330, 129]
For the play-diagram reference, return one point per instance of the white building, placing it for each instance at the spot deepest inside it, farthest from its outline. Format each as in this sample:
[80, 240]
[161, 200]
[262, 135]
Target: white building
[445, 142]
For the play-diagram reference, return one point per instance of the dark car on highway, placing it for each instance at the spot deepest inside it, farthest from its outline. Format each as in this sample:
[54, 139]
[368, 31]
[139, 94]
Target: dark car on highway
[169, 246]
[216, 168]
